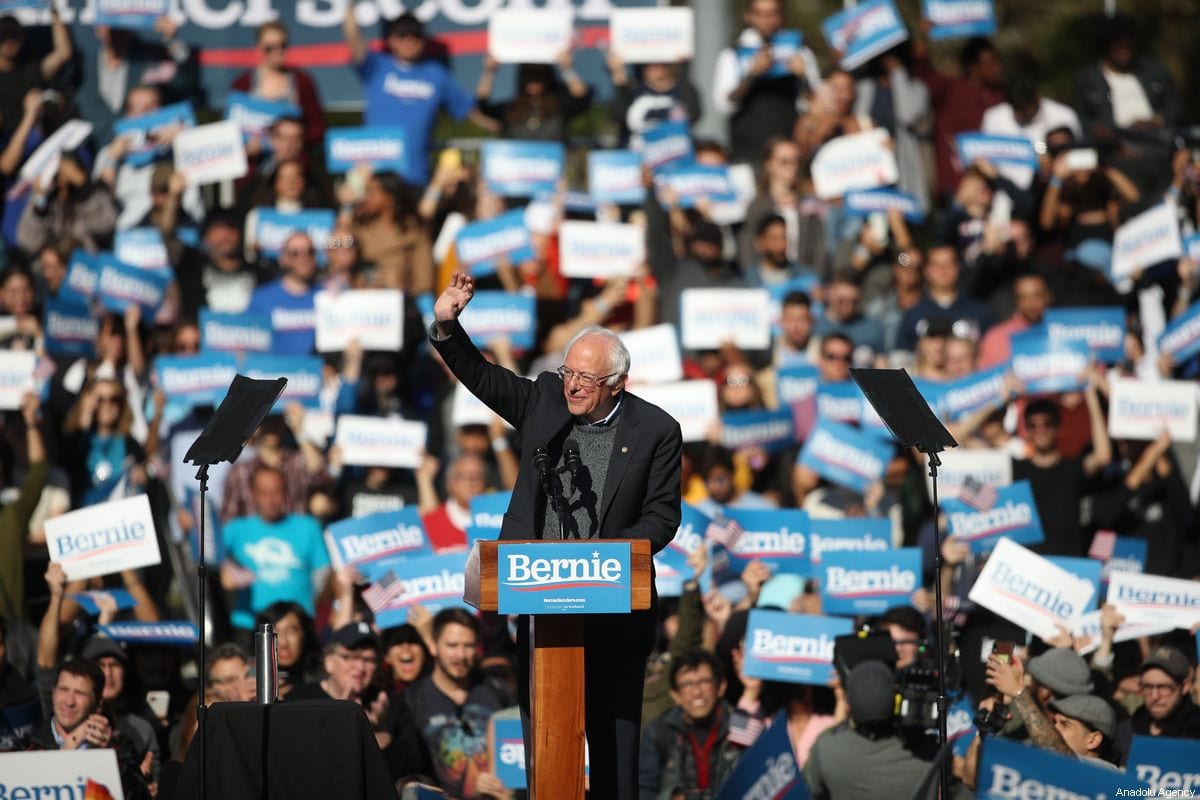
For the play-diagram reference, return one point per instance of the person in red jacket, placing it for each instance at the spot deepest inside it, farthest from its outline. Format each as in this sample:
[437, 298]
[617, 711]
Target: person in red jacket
[446, 523]
[272, 79]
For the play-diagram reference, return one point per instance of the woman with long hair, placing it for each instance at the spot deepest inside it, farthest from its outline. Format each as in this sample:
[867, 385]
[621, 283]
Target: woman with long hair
[275, 79]
[385, 224]
[784, 190]
[543, 106]
[98, 447]
[299, 650]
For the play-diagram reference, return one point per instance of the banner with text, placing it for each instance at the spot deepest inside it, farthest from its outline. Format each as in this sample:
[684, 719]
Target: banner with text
[104, 538]
[792, 648]
[380, 441]
[1027, 590]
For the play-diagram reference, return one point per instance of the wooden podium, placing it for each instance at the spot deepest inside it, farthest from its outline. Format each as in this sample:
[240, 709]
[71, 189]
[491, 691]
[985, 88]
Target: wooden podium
[555, 767]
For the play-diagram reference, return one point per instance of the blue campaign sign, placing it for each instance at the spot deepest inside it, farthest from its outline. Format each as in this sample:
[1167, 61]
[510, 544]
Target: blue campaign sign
[508, 752]
[1128, 555]
[845, 455]
[777, 537]
[864, 31]
[88, 601]
[862, 202]
[383, 537]
[487, 515]
[959, 19]
[522, 169]
[83, 274]
[384, 148]
[122, 286]
[142, 248]
[670, 564]
[254, 115]
[768, 769]
[435, 582]
[692, 183]
[1181, 338]
[480, 244]
[934, 393]
[1016, 151]
[869, 583]
[785, 45]
[840, 402]
[132, 14]
[69, 326]
[498, 313]
[1101, 328]
[1045, 366]
[793, 648]
[615, 176]
[304, 376]
[179, 632]
[196, 379]
[960, 725]
[141, 130]
[1191, 246]
[796, 383]
[1008, 770]
[247, 332]
[770, 430]
[564, 578]
[847, 535]
[274, 227]
[971, 393]
[1014, 516]
[1165, 764]
[666, 144]
[1087, 569]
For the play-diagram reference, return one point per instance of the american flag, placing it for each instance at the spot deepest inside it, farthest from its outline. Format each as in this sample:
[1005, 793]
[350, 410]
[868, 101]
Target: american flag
[93, 790]
[977, 495]
[380, 594]
[744, 728]
[237, 575]
[43, 370]
[1102, 545]
[724, 531]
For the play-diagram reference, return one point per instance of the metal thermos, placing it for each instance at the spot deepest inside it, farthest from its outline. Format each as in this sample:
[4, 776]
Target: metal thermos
[266, 657]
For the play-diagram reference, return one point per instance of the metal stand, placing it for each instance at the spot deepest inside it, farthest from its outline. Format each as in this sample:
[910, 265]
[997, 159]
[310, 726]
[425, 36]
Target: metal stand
[201, 580]
[939, 629]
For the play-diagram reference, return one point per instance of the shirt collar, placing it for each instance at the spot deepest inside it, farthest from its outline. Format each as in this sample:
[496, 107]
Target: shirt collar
[583, 423]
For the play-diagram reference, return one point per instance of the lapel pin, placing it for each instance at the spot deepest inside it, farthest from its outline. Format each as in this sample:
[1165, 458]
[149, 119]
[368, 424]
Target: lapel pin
[624, 449]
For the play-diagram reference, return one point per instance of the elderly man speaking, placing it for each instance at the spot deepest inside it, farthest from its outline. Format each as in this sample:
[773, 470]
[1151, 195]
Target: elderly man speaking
[625, 484]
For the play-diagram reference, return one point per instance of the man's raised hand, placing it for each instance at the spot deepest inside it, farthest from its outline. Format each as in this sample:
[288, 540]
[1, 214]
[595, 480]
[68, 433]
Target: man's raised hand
[454, 297]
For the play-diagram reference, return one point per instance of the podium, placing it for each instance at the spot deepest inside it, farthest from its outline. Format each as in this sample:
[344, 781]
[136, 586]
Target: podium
[555, 582]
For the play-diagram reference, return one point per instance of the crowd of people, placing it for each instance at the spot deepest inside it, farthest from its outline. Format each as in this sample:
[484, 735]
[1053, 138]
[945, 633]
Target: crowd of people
[941, 293]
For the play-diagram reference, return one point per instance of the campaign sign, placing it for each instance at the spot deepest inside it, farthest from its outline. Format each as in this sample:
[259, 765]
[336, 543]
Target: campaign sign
[133, 14]
[487, 516]
[254, 115]
[959, 19]
[75, 774]
[498, 313]
[1154, 598]
[178, 632]
[1028, 590]
[869, 583]
[1181, 338]
[69, 136]
[1165, 764]
[857, 161]
[380, 441]
[1086, 569]
[615, 176]
[989, 467]
[467, 409]
[16, 377]
[247, 332]
[600, 249]
[971, 393]
[1191, 246]
[793, 648]
[210, 153]
[1128, 555]
[121, 286]
[529, 35]
[864, 31]
[1145, 240]
[1013, 151]
[1045, 366]
[565, 578]
[69, 327]
[372, 317]
[386, 536]
[1014, 517]
[693, 404]
[840, 402]
[480, 244]
[104, 538]
[651, 35]
[508, 752]
[273, 228]
[522, 169]
[653, 354]
[1143, 409]
[796, 383]
[142, 248]
[141, 130]
[712, 317]
[667, 143]
[850, 536]
[777, 537]
[305, 376]
[1102, 329]
[693, 183]
[89, 601]
[17, 721]
[1008, 770]
[670, 564]
[785, 45]
[382, 147]
[768, 769]
[770, 430]
[201, 380]
[872, 201]
[83, 274]
[845, 455]
[435, 582]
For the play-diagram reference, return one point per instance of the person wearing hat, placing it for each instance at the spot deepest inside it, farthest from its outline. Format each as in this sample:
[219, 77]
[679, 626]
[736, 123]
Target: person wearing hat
[1087, 724]
[130, 714]
[1167, 706]
[1029, 689]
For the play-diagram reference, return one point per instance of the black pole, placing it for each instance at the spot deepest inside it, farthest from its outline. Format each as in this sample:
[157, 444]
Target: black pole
[939, 629]
[202, 578]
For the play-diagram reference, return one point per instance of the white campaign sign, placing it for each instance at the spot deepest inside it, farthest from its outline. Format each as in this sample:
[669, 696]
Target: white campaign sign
[530, 35]
[652, 35]
[16, 376]
[1141, 409]
[210, 153]
[373, 317]
[989, 467]
[653, 354]
[380, 441]
[1030, 591]
[1145, 240]
[104, 538]
[69, 136]
[858, 161]
[1149, 599]
[693, 404]
[712, 317]
[467, 409]
[600, 249]
[59, 773]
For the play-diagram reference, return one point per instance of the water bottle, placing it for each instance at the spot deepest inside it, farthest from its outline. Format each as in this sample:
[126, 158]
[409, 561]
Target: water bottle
[266, 657]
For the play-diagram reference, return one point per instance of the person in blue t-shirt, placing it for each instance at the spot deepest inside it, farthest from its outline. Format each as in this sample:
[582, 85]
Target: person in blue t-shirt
[290, 299]
[406, 90]
[285, 552]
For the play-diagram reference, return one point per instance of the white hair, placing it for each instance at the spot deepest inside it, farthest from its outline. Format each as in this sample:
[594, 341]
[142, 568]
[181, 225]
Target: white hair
[618, 353]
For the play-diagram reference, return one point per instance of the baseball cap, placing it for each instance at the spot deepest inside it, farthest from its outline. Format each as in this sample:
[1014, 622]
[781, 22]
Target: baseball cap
[871, 691]
[1089, 709]
[354, 636]
[100, 646]
[1169, 660]
[1062, 671]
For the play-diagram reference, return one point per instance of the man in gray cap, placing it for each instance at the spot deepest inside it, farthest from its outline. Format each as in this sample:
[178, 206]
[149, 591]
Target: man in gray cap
[1087, 724]
[1058, 672]
[1167, 709]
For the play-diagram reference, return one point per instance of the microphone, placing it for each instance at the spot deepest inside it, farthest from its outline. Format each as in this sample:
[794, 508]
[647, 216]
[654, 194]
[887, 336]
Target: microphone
[541, 462]
[572, 461]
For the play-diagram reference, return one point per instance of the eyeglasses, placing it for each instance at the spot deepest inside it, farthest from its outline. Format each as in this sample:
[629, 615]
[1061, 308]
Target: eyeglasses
[836, 357]
[355, 658]
[300, 253]
[585, 380]
[736, 381]
[698, 683]
[1159, 688]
